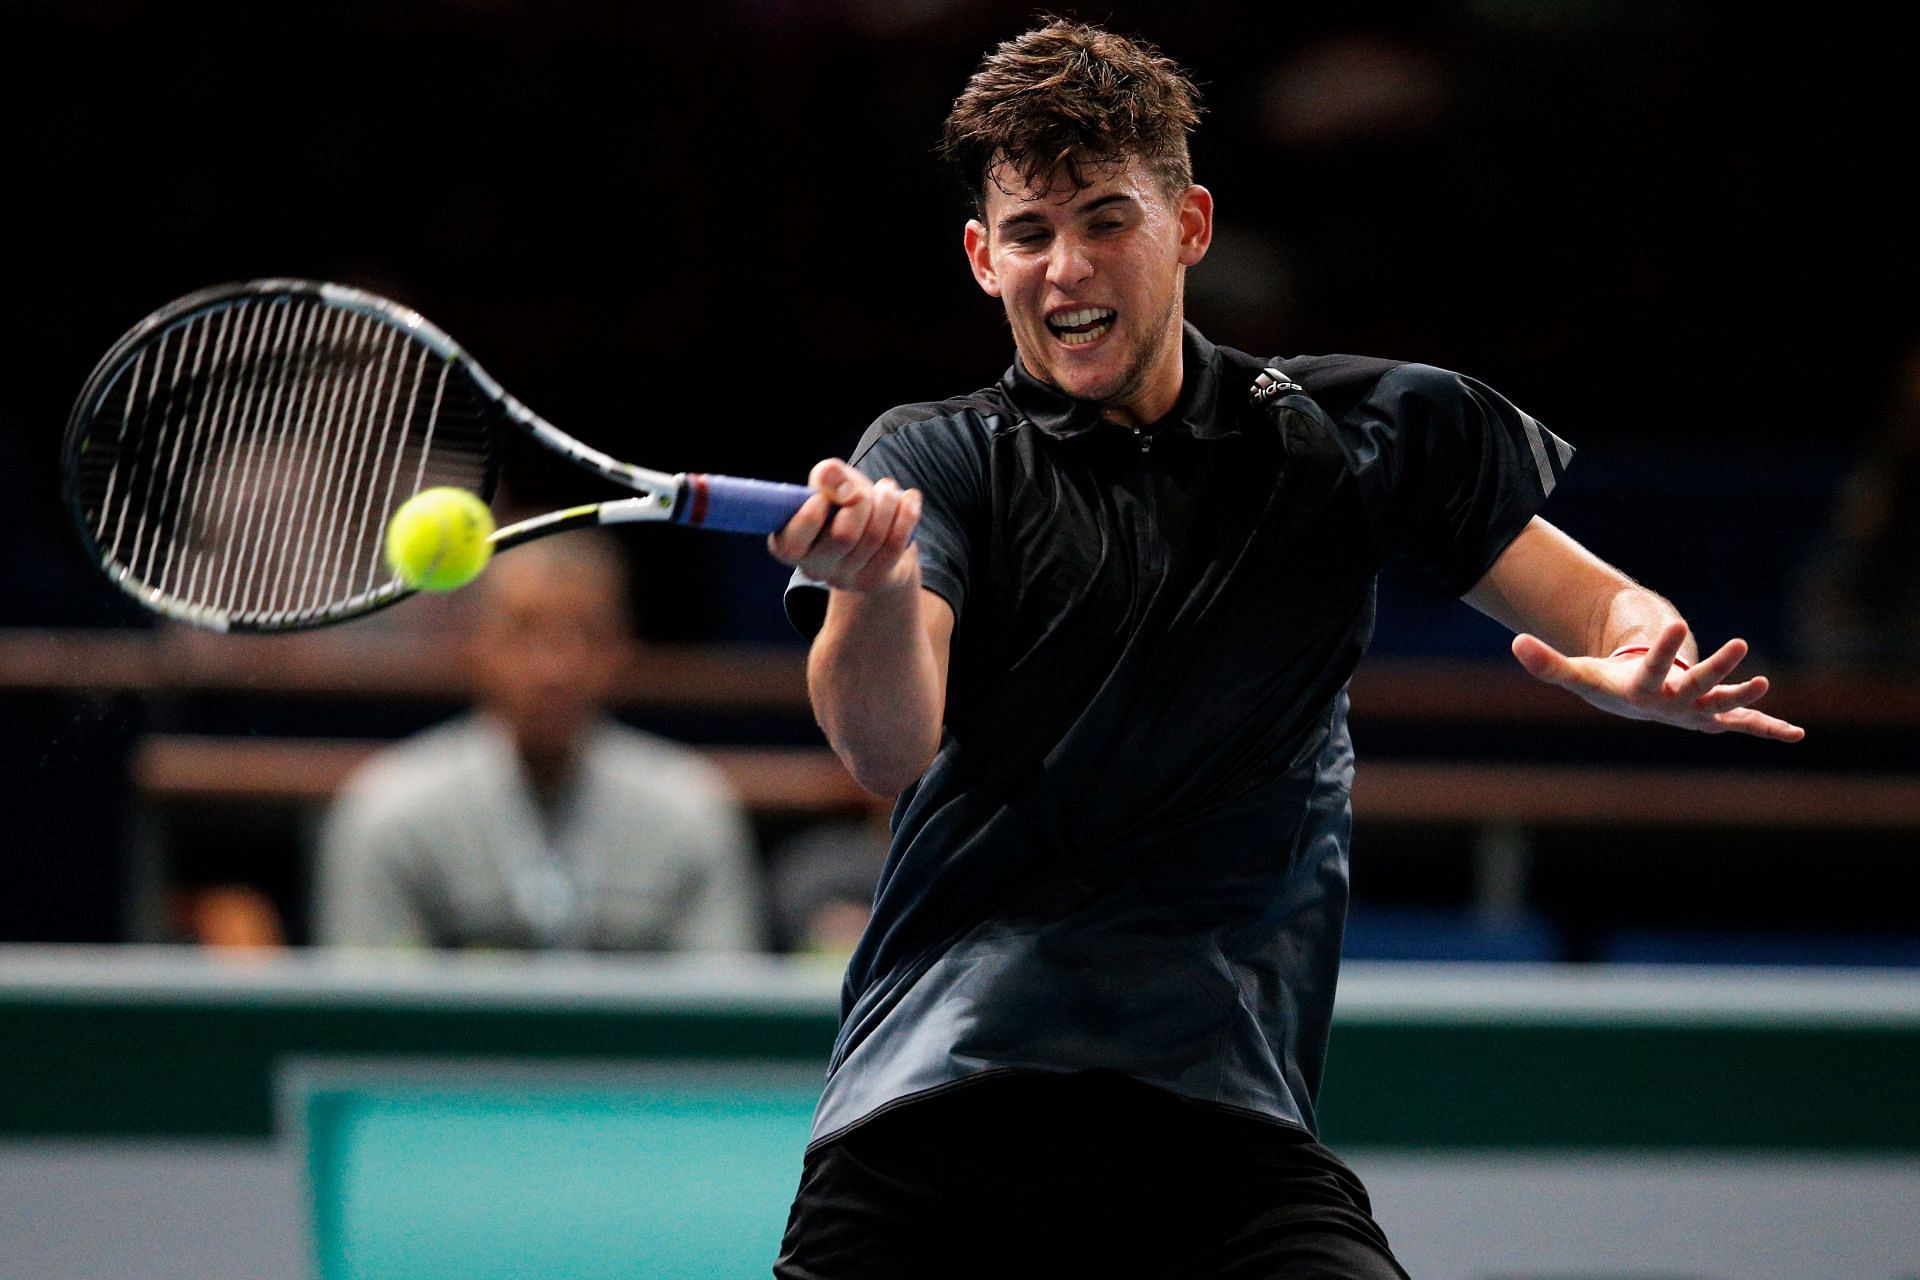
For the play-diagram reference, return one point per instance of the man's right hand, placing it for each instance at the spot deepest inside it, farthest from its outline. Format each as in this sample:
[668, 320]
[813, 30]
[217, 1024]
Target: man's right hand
[853, 534]
[877, 671]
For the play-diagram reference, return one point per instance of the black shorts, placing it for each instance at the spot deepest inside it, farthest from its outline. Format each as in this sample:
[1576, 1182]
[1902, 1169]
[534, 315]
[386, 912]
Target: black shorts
[1084, 1175]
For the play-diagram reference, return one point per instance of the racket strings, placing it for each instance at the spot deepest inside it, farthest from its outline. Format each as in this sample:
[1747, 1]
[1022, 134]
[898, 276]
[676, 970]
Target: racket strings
[245, 459]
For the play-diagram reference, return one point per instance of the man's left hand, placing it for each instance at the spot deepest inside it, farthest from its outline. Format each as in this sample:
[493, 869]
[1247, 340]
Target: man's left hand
[1652, 686]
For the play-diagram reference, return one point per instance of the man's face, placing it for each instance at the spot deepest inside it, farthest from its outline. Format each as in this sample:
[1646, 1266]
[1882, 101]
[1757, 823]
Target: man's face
[1092, 281]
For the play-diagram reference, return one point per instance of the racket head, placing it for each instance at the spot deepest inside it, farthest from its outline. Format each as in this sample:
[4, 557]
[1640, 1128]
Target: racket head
[233, 460]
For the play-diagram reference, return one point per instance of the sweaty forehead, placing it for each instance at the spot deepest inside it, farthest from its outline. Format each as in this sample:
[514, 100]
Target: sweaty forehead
[1007, 187]
[1059, 201]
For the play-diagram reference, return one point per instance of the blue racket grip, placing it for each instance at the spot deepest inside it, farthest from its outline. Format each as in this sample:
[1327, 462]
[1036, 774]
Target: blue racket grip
[734, 505]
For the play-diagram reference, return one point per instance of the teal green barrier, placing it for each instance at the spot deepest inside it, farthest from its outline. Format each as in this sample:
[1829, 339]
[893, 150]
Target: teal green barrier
[667, 1182]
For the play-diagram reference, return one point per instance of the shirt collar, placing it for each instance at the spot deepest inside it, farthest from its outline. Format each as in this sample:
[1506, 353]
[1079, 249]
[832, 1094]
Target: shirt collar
[1063, 417]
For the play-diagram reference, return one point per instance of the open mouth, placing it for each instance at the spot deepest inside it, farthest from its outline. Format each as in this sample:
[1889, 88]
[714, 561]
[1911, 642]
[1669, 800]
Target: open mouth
[1083, 325]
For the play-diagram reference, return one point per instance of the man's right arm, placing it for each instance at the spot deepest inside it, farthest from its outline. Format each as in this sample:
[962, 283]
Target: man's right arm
[877, 672]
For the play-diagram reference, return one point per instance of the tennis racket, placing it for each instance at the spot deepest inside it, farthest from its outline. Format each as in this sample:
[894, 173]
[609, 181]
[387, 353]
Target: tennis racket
[233, 461]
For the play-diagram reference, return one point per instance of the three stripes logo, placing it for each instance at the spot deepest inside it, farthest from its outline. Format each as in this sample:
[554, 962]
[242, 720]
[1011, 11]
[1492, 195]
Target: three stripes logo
[1551, 454]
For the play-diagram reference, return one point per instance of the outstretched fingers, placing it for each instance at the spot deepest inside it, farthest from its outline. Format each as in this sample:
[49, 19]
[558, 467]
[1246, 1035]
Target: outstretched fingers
[1712, 671]
[1759, 725]
[1658, 662]
[1727, 707]
[1651, 687]
[1728, 697]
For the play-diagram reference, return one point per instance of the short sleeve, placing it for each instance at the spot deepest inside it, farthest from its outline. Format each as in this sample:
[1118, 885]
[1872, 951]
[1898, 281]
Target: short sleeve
[1450, 471]
[945, 457]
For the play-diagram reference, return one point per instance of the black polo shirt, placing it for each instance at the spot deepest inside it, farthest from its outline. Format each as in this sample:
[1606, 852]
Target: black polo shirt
[1131, 850]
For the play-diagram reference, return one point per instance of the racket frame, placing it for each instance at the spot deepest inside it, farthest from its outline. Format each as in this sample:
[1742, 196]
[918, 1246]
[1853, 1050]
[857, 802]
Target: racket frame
[663, 497]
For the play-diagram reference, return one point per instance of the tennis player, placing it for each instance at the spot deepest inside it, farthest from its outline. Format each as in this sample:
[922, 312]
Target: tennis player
[1094, 625]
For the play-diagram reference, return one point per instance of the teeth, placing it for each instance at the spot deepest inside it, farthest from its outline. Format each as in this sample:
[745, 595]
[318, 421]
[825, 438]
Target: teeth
[1081, 339]
[1099, 317]
[1085, 315]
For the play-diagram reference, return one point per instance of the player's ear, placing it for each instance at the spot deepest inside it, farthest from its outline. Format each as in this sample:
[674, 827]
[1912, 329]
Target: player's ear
[1195, 211]
[980, 257]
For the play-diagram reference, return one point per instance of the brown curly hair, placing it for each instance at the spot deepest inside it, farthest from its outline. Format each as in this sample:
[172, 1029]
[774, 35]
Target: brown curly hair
[1067, 96]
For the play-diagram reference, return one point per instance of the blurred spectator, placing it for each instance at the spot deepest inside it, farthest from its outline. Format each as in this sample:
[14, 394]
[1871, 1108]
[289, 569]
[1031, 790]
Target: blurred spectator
[232, 916]
[1862, 602]
[822, 882]
[535, 821]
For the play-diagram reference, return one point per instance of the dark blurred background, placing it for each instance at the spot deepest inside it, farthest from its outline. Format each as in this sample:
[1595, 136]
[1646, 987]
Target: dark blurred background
[715, 237]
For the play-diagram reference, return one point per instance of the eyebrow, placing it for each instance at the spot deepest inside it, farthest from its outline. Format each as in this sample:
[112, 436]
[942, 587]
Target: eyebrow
[1013, 220]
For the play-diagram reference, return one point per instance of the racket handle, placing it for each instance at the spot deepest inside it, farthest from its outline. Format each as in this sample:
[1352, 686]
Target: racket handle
[734, 505]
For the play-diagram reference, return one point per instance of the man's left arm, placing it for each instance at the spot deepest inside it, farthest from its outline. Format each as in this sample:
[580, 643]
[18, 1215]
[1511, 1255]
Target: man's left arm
[1587, 627]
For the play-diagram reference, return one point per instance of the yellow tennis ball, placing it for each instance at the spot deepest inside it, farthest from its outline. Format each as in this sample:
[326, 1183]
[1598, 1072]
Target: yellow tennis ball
[437, 540]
